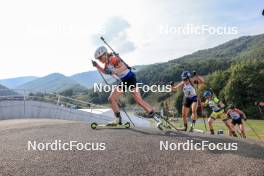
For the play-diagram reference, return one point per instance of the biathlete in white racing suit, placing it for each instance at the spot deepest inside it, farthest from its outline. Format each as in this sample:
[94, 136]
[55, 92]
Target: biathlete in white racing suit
[190, 96]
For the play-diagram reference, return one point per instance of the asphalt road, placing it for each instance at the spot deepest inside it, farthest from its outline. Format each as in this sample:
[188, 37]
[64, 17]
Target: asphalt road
[127, 152]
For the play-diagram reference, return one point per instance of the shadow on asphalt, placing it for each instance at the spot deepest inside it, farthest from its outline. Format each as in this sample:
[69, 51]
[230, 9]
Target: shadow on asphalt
[245, 149]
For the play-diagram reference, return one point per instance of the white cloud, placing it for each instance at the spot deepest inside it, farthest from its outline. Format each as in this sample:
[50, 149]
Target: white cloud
[41, 37]
[115, 32]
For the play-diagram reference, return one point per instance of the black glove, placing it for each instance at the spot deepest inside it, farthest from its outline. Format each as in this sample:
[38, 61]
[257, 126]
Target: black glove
[94, 63]
[172, 83]
[108, 71]
[245, 119]
[194, 73]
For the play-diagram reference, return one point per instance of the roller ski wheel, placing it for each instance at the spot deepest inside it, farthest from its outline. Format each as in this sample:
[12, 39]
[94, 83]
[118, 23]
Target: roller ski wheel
[127, 125]
[94, 125]
[160, 126]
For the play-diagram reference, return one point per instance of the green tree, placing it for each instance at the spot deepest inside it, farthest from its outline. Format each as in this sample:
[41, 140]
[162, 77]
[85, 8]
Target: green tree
[245, 86]
[217, 81]
[178, 101]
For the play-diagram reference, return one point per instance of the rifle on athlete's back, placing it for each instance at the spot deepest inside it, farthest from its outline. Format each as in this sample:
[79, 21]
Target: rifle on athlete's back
[116, 54]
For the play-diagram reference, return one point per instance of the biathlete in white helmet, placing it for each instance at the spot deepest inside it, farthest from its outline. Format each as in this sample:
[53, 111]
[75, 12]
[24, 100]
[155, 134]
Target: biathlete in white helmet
[190, 96]
[114, 66]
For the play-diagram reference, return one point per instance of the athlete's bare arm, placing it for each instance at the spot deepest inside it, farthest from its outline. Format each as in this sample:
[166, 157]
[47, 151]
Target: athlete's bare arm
[99, 68]
[261, 104]
[174, 88]
[197, 79]
[242, 113]
[221, 104]
[200, 79]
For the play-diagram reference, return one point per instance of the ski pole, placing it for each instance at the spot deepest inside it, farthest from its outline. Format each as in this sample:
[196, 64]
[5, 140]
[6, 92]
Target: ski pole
[199, 101]
[253, 130]
[103, 77]
[119, 104]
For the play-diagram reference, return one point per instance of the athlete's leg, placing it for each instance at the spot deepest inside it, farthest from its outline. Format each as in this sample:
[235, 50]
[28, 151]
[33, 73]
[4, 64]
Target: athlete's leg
[233, 122]
[194, 115]
[242, 130]
[210, 124]
[185, 111]
[194, 110]
[185, 114]
[137, 96]
[229, 132]
[151, 113]
[230, 127]
[113, 100]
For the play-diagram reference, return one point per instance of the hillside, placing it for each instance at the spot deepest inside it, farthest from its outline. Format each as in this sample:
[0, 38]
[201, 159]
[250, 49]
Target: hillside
[205, 61]
[87, 79]
[13, 83]
[4, 91]
[51, 83]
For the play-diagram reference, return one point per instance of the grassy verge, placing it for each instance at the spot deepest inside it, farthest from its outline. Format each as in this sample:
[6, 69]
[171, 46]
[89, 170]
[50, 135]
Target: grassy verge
[257, 125]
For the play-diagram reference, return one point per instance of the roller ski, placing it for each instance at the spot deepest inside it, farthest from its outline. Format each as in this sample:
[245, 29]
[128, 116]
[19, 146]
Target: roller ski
[193, 129]
[117, 123]
[162, 123]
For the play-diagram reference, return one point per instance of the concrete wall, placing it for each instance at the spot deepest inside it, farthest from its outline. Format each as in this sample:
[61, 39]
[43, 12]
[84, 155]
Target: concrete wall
[19, 109]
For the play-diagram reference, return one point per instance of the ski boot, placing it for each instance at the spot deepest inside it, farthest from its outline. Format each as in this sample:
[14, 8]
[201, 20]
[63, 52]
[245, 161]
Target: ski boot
[115, 122]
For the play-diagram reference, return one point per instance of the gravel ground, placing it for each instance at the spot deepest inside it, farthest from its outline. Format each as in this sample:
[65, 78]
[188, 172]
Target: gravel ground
[127, 152]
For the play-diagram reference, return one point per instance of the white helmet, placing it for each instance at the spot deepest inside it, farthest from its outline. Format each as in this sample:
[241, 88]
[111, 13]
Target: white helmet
[99, 52]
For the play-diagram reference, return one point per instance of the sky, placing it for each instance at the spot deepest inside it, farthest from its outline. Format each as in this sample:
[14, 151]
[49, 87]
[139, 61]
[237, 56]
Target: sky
[42, 37]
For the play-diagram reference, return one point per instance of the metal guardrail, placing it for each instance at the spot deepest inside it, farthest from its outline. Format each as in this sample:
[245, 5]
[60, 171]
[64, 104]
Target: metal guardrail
[57, 99]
